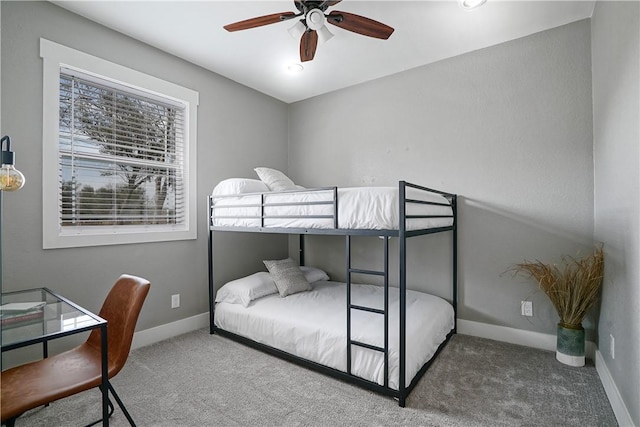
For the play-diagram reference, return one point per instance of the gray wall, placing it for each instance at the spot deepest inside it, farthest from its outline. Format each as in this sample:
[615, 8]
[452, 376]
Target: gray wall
[508, 128]
[615, 30]
[227, 147]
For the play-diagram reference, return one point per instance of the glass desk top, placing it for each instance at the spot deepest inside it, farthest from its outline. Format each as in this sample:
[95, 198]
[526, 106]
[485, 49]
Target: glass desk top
[38, 315]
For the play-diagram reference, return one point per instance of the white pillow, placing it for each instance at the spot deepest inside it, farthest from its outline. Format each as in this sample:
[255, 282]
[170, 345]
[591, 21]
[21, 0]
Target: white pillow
[275, 180]
[239, 186]
[244, 290]
[313, 274]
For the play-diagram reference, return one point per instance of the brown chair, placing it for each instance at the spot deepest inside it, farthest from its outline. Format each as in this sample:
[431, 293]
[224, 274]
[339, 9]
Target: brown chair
[38, 383]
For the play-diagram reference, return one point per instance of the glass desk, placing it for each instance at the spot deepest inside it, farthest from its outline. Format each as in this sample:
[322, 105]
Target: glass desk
[36, 316]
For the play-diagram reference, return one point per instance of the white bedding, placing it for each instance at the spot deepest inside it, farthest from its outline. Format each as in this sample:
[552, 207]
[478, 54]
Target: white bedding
[312, 325]
[371, 208]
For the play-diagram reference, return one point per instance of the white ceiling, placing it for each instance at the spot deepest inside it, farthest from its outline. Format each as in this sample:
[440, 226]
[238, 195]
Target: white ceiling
[425, 32]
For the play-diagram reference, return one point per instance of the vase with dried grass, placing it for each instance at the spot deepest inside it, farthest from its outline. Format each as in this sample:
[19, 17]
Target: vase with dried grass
[573, 288]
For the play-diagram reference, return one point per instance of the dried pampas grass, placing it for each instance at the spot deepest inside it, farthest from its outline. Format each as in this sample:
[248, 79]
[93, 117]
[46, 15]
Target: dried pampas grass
[572, 287]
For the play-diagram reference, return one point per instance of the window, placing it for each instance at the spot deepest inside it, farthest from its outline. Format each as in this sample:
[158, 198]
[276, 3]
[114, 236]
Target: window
[120, 157]
[119, 153]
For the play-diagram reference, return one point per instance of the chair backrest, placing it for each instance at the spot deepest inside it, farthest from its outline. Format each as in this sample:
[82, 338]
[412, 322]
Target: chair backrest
[121, 309]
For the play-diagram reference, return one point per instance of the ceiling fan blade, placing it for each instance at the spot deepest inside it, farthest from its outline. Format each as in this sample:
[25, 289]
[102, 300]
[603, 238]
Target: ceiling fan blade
[259, 21]
[308, 45]
[359, 24]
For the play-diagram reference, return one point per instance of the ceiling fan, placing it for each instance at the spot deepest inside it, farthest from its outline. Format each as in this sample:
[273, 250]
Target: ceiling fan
[312, 27]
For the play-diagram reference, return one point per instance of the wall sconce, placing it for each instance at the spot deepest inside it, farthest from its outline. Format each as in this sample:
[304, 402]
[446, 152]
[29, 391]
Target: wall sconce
[11, 179]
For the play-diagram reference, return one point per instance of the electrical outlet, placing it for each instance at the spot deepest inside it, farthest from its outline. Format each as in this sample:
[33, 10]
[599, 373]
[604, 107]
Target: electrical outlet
[175, 301]
[612, 346]
[526, 308]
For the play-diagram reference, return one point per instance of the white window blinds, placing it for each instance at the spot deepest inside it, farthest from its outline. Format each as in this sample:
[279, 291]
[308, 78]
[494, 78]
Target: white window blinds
[121, 157]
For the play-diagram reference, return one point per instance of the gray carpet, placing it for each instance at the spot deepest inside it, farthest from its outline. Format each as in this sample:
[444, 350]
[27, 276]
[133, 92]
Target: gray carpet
[199, 379]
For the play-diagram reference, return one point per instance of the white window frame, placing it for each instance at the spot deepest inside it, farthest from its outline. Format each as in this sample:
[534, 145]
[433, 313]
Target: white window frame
[56, 56]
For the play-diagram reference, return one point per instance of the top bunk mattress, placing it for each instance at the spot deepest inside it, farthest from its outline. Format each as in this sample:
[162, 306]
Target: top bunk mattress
[366, 208]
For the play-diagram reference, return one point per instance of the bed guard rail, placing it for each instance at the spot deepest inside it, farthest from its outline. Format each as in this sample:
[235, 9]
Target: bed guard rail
[332, 199]
[404, 202]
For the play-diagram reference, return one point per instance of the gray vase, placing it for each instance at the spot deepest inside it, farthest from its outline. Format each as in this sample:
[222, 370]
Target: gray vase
[570, 344]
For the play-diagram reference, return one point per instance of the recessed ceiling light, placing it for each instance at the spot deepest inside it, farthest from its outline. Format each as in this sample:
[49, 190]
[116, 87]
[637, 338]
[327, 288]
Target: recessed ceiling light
[295, 68]
[471, 4]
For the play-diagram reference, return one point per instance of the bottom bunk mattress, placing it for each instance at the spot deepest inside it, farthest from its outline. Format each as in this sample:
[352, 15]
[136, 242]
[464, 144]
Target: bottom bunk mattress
[312, 325]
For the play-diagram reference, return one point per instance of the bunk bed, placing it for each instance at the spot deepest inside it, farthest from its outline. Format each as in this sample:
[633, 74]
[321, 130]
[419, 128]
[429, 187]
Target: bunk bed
[382, 337]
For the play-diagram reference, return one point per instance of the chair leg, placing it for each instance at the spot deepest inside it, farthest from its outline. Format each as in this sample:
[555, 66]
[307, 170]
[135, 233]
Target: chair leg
[12, 421]
[111, 409]
[121, 405]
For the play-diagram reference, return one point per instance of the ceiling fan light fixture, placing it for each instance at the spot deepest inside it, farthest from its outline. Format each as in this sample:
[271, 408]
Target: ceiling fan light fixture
[297, 30]
[315, 19]
[324, 35]
[471, 4]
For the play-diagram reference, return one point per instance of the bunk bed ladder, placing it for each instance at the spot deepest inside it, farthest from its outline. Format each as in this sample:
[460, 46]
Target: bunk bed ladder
[384, 312]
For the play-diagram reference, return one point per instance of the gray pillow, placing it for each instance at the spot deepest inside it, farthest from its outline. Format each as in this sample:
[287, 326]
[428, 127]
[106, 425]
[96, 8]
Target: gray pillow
[288, 277]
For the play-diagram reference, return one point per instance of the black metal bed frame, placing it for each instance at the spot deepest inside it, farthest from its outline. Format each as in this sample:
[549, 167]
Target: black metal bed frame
[401, 233]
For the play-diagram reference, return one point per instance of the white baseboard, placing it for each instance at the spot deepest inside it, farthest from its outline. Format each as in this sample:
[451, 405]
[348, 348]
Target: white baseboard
[548, 342]
[617, 404]
[169, 330]
[516, 336]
